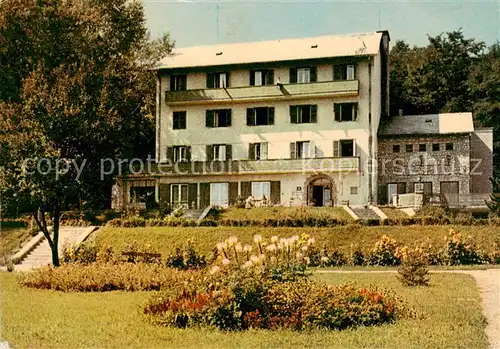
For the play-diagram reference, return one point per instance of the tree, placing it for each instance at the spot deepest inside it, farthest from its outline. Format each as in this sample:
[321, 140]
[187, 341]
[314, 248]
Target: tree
[74, 89]
[494, 202]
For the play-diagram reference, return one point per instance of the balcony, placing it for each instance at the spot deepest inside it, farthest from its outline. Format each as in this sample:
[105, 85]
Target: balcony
[259, 93]
[313, 165]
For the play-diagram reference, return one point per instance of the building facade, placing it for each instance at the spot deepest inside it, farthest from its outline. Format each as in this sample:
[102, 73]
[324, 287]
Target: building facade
[294, 122]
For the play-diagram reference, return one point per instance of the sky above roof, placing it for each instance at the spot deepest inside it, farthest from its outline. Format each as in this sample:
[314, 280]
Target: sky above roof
[206, 22]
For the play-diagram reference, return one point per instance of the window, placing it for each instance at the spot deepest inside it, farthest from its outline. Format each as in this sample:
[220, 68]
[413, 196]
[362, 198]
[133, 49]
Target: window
[435, 147]
[178, 82]
[261, 189]
[303, 75]
[179, 120]
[302, 150]
[343, 72]
[354, 190]
[142, 194]
[219, 152]
[303, 114]
[422, 147]
[179, 195]
[257, 151]
[181, 153]
[449, 146]
[395, 148]
[344, 148]
[260, 116]
[448, 160]
[219, 194]
[217, 80]
[261, 77]
[409, 148]
[345, 111]
[218, 118]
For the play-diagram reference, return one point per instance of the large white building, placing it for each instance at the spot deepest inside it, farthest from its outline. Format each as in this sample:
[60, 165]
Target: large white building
[293, 120]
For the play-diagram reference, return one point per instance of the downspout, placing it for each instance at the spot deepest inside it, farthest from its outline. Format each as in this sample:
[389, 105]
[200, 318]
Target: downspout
[370, 135]
[158, 115]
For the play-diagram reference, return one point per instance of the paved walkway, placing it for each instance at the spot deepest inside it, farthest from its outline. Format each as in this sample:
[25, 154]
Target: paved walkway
[488, 282]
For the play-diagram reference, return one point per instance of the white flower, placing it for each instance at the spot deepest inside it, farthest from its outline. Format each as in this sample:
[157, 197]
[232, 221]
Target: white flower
[262, 257]
[247, 248]
[257, 238]
[324, 259]
[215, 269]
[307, 260]
[254, 259]
[247, 264]
[226, 261]
[294, 238]
[304, 248]
[274, 239]
[310, 241]
[271, 248]
[238, 247]
[232, 240]
[299, 255]
[221, 245]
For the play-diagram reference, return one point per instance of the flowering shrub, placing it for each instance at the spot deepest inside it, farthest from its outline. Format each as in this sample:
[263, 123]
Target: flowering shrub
[462, 251]
[186, 257]
[414, 271]
[384, 253]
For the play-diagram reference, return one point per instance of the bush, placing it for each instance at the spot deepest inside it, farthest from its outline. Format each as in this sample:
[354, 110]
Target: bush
[100, 277]
[461, 251]
[186, 257]
[414, 271]
[85, 254]
[384, 253]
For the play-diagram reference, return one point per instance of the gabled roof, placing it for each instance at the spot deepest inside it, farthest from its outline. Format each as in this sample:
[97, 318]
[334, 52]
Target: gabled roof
[274, 51]
[445, 123]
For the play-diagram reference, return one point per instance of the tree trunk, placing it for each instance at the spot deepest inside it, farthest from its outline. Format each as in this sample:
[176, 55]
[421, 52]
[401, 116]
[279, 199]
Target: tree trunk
[55, 236]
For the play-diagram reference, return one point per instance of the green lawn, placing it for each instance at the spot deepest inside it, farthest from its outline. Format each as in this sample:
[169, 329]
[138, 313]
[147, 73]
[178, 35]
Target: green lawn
[393, 213]
[164, 239]
[47, 319]
[12, 239]
[258, 213]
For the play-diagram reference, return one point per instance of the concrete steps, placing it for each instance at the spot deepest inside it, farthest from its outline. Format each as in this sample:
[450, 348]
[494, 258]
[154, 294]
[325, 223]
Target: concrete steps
[192, 214]
[364, 213]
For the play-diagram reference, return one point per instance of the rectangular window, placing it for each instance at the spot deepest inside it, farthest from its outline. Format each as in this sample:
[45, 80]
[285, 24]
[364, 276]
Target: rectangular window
[179, 195]
[178, 82]
[219, 152]
[343, 72]
[261, 190]
[181, 153]
[179, 120]
[218, 118]
[435, 147]
[409, 148]
[303, 75]
[302, 150]
[448, 160]
[422, 147]
[260, 116]
[217, 80]
[219, 194]
[354, 190]
[345, 111]
[261, 77]
[395, 148]
[303, 114]
[344, 148]
[258, 151]
[449, 146]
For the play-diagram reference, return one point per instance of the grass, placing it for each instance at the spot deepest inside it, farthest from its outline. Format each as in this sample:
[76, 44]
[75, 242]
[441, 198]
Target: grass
[165, 239]
[393, 213]
[47, 319]
[258, 213]
[12, 238]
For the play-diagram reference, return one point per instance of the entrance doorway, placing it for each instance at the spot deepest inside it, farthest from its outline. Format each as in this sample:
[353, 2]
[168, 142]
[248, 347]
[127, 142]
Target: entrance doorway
[450, 192]
[320, 192]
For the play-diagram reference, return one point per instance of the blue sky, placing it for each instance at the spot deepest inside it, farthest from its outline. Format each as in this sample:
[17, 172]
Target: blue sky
[194, 22]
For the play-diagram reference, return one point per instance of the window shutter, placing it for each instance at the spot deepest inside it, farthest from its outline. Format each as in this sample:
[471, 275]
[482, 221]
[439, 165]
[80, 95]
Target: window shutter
[270, 114]
[228, 120]
[252, 78]
[293, 114]
[354, 152]
[275, 192]
[183, 120]
[193, 195]
[172, 83]
[293, 75]
[229, 152]
[246, 189]
[227, 80]
[270, 77]
[209, 118]
[355, 111]
[210, 80]
[336, 149]
[204, 195]
[170, 153]
[263, 151]
[293, 152]
[336, 110]
[250, 117]
[251, 151]
[314, 113]
[233, 193]
[312, 74]
[188, 153]
[210, 153]
[350, 72]
[337, 72]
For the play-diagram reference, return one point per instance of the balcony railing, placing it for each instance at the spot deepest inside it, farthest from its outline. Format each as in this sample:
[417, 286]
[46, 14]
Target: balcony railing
[324, 165]
[249, 93]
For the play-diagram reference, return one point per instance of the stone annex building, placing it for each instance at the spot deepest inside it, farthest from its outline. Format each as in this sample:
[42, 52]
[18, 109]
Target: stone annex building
[299, 122]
